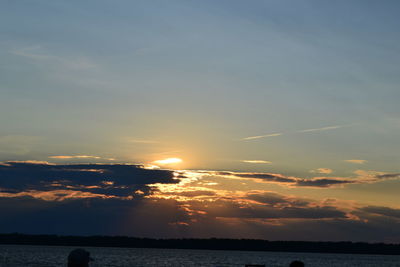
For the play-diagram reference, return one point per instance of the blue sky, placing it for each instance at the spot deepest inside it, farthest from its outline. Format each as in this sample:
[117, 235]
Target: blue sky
[299, 88]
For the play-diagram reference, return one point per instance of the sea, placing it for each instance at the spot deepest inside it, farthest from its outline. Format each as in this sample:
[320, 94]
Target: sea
[46, 256]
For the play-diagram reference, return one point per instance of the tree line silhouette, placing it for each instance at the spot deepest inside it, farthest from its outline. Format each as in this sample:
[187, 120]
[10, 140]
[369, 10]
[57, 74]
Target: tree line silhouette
[209, 244]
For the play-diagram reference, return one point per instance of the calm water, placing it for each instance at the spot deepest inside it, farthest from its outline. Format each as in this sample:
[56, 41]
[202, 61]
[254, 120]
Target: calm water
[44, 256]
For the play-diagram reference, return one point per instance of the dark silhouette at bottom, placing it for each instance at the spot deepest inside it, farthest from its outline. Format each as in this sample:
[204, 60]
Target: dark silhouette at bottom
[296, 264]
[292, 264]
[79, 258]
[209, 244]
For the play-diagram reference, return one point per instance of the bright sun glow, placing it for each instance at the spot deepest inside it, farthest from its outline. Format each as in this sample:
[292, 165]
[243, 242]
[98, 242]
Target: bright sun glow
[168, 161]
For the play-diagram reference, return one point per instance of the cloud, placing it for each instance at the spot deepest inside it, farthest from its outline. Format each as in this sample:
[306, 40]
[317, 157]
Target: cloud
[38, 197]
[33, 53]
[356, 161]
[149, 217]
[143, 141]
[324, 182]
[322, 170]
[118, 180]
[301, 131]
[388, 176]
[92, 216]
[261, 136]
[54, 195]
[362, 177]
[192, 193]
[322, 129]
[39, 162]
[256, 161]
[230, 209]
[267, 208]
[385, 211]
[284, 217]
[250, 205]
[269, 177]
[17, 144]
[66, 157]
[275, 199]
[75, 157]
[118, 199]
[329, 229]
[318, 182]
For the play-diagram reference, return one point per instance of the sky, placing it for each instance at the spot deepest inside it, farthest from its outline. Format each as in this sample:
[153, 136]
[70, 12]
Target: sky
[264, 119]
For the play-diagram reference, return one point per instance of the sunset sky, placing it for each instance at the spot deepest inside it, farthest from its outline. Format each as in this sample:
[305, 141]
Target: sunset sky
[264, 119]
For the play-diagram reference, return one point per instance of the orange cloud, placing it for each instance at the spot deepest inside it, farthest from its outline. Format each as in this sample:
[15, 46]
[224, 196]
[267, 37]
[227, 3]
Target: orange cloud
[356, 161]
[76, 157]
[256, 161]
[55, 195]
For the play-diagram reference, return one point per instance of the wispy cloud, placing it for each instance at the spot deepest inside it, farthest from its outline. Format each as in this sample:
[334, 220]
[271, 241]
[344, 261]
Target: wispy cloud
[322, 170]
[29, 52]
[256, 161]
[143, 141]
[36, 53]
[261, 136]
[18, 144]
[356, 161]
[322, 129]
[38, 162]
[77, 157]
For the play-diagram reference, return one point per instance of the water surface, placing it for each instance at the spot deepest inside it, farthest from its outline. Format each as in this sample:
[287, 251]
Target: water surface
[46, 256]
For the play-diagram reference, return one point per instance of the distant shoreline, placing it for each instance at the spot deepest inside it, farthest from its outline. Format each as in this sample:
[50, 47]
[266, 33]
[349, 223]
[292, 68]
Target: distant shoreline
[205, 244]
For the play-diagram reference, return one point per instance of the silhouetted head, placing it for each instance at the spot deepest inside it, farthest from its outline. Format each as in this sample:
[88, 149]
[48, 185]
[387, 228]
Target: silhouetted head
[296, 264]
[79, 258]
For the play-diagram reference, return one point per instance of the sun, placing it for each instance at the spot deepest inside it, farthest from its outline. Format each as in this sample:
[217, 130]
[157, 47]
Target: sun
[168, 161]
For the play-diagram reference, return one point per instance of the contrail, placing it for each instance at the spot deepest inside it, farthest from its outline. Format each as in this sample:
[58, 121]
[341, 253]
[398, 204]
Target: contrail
[300, 131]
[322, 129]
[261, 136]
